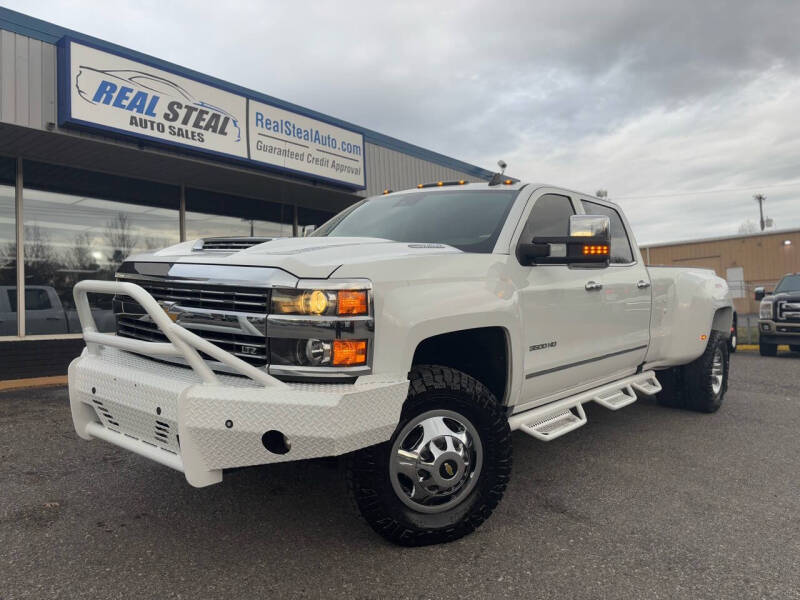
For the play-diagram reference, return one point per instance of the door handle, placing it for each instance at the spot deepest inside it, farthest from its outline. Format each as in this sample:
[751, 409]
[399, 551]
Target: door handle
[643, 285]
[593, 285]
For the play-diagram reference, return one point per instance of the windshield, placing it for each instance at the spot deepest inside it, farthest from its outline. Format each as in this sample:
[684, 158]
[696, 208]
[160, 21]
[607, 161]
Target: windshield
[468, 220]
[790, 283]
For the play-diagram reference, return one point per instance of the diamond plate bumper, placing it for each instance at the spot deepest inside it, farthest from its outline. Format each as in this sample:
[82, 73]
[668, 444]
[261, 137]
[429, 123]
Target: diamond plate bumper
[168, 414]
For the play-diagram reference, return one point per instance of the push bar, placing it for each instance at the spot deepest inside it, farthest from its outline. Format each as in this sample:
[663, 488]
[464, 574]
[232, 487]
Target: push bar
[182, 342]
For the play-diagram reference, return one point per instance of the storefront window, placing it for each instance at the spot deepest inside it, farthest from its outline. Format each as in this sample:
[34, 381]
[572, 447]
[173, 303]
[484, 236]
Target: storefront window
[70, 237]
[8, 262]
[219, 215]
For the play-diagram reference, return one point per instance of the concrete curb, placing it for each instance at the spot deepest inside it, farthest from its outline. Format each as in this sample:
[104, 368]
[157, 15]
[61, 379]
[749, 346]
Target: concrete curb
[33, 382]
[754, 348]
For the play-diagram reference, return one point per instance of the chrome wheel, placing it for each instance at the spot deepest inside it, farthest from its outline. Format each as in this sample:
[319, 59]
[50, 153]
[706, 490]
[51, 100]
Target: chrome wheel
[717, 371]
[435, 461]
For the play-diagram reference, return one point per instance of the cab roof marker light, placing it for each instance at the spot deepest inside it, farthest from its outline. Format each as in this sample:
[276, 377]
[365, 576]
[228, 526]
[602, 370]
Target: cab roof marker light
[387, 191]
[442, 183]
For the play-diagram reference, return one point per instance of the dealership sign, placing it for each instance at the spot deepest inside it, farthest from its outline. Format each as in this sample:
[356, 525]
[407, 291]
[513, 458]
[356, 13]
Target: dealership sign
[104, 90]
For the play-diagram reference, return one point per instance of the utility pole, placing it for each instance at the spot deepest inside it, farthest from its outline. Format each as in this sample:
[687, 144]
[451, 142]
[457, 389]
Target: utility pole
[760, 199]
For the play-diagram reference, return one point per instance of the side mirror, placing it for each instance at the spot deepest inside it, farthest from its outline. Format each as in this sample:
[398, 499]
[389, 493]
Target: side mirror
[759, 294]
[588, 242]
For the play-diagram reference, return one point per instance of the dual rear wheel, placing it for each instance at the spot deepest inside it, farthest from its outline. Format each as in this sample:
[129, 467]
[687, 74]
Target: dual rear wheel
[700, 385]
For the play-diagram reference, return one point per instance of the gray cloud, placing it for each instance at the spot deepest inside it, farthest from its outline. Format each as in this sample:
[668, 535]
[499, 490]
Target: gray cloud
[645, 98]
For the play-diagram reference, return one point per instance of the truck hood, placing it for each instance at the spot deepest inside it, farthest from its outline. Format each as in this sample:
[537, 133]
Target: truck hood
[311, 257]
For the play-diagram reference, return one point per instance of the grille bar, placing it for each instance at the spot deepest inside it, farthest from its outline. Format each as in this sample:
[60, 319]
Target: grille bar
[256, 353]
[249, 300]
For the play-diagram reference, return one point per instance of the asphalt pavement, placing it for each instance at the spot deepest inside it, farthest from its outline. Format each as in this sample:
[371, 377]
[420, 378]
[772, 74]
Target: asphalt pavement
[642, 503]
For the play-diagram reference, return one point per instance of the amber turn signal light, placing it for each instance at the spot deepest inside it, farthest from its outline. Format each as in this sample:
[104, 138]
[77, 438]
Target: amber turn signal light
[589, 250]
[349, 353]
[352, 302]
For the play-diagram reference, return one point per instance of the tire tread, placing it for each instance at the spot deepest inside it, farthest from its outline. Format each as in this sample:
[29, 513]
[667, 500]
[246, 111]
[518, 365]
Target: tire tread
[363, 471]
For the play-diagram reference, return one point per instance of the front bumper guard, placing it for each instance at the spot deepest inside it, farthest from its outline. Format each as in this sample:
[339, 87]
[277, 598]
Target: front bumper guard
[200, 422]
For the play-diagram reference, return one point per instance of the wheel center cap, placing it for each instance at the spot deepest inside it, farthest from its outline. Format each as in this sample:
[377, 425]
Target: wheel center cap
[448, 469]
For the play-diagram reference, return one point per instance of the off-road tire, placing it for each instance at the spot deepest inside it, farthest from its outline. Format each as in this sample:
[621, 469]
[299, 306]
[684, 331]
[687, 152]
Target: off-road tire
[435, 387]
[689, 386]
[767, 349]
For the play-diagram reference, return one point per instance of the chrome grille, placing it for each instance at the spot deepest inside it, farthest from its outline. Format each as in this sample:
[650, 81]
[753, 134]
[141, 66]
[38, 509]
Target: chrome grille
[788, 311]
[213, 297]
[252, 349]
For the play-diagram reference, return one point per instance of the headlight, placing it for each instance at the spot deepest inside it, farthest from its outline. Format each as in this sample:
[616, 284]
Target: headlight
[320, 302]
[321, 329]
[765, 310]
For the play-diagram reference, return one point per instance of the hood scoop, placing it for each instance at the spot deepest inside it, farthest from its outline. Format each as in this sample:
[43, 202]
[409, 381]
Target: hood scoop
[228, 244]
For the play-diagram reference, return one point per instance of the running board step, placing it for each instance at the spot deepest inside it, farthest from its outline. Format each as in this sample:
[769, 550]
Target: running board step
[549, 427]
[553, 420]
[648, 386]
[615, 400]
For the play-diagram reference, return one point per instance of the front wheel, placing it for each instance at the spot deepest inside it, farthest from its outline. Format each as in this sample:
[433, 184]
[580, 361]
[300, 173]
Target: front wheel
[445, 468]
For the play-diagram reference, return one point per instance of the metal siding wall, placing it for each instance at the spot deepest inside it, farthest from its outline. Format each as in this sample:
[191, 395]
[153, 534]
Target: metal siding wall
[7, 76]
[27, 81]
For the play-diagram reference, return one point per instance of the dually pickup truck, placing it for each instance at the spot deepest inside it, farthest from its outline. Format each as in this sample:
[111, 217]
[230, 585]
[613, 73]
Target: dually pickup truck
[411, 334]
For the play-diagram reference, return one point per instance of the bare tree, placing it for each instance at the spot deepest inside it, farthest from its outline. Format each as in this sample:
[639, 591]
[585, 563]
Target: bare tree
[748, 227]
[41, 261]
[120, 236]
[8, 264]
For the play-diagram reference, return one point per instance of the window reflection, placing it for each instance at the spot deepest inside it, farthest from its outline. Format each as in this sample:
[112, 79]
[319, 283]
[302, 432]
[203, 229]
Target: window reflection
[210, 214]
[8, 262]
[69, 238]
[199, 225]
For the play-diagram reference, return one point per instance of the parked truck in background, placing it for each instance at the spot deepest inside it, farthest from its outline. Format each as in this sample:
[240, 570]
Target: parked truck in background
[779, 316]
[411, 334]
[45, 314]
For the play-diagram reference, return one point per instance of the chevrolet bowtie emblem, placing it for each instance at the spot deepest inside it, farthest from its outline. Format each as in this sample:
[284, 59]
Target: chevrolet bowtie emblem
[170, 310]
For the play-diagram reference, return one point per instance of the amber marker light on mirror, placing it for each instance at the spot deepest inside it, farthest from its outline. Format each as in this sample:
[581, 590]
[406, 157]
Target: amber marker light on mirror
[592, 250]
[352, 302]
[349, 353]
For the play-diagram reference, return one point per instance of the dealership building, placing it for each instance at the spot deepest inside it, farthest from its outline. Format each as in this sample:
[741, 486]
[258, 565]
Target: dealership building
[105, 151]
[746, 261]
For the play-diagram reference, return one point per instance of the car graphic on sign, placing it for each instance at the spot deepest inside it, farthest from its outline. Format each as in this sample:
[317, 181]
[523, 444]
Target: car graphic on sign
[147, 86]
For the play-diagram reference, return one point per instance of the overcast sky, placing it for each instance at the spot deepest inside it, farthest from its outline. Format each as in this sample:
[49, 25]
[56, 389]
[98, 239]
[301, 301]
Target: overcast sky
[681, 109]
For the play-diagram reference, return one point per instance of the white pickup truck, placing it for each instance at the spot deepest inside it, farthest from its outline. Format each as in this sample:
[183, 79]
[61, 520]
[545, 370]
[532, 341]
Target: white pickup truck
[412, 333]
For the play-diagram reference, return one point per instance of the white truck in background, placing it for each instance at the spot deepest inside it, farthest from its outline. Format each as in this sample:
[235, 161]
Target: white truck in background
[412, 333]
